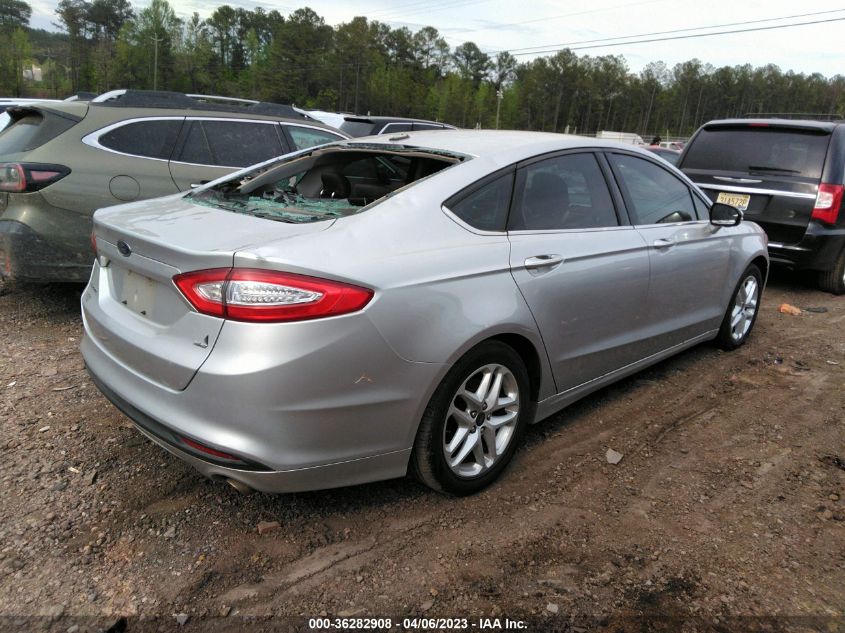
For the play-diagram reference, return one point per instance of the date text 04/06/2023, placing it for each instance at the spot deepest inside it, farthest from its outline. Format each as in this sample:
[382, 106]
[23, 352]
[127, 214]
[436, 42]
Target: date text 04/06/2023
[411, 624]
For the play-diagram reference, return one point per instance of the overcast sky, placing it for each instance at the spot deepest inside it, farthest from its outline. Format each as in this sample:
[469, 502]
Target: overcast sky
[497, 25]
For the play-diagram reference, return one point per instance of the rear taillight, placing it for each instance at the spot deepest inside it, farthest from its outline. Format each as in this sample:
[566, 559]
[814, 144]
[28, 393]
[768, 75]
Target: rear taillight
[252, 294]
[828, 203]
[26, 177]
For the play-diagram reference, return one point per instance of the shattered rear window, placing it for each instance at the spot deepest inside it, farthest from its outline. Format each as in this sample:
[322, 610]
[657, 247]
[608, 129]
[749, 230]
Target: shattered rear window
[286, 207]
[326, 184]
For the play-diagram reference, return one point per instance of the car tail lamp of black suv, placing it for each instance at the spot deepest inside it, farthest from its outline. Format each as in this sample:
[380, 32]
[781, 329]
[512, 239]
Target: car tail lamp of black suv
[788, 176]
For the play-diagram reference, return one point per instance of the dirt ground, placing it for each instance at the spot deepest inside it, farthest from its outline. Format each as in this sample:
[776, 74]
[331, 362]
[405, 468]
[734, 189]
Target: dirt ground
[726, 513]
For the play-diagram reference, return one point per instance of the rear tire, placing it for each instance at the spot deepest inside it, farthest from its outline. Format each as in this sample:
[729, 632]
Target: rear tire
[742, 310]
[833, 280]
[473, 422]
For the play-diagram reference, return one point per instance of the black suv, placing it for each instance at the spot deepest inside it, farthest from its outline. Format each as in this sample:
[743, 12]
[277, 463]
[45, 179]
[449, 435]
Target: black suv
[785, 175]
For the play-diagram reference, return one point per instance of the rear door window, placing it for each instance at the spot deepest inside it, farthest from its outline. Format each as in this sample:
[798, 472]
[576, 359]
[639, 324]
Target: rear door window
[560, 193]
[230, 143]
[652, 193]
[32, 130]
[303, 137]
[151, 139]
[241, 143]
[759, 150]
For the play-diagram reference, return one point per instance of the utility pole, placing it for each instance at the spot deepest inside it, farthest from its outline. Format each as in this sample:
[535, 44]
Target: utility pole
[155, 62]
[500, 94]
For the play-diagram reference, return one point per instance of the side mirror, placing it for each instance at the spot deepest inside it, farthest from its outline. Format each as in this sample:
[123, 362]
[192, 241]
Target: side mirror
[724, 215]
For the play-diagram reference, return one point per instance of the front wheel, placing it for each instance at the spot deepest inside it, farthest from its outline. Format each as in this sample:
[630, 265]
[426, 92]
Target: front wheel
[742, 311]
[472, 424]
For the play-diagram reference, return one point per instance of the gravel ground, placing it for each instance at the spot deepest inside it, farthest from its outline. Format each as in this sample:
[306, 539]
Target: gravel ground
[725, 513]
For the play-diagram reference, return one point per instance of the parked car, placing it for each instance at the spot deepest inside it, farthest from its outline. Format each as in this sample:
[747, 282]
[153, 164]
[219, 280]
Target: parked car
[675, 145]
[61, 161]
[364, 309]
[357, 126]
[671, 156]
[785, 175]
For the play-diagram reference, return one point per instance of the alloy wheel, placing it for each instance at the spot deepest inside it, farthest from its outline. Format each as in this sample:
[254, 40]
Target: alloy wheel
[481, 420]
[745, 307]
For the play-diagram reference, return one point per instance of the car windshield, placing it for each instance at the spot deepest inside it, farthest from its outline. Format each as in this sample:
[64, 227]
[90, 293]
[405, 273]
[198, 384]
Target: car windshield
[328, 183]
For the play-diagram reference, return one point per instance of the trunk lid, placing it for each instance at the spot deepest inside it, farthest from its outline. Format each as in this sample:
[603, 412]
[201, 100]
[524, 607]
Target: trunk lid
[774, 170]
[133, 309]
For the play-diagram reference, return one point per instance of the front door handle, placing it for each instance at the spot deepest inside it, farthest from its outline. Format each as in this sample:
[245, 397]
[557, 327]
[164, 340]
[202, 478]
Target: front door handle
[664, 243]
[543, 261]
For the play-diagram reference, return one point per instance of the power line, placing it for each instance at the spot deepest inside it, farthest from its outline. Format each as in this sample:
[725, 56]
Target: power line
[679, 37]
[506, 25]
[536, 49]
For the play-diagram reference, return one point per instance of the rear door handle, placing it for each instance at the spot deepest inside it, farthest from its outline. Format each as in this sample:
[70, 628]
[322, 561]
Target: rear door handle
[664, 243]
[543, 261]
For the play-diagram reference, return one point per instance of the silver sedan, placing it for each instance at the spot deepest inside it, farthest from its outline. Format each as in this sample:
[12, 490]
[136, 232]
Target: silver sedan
[380, 306]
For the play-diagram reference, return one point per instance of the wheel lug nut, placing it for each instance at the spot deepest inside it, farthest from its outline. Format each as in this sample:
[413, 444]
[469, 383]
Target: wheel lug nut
[484, 407]
[472, 414]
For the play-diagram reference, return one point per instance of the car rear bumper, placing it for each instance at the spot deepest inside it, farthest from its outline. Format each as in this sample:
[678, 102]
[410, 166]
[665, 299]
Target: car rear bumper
[328, 410]
[818, 249]
[27, 256]
[41, 242]
[351, 472]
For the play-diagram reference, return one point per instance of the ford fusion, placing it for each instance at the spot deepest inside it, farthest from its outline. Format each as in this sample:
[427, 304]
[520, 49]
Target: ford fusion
[405, 304]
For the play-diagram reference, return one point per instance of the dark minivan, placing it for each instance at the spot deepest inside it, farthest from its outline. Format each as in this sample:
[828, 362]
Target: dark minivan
[785, 175]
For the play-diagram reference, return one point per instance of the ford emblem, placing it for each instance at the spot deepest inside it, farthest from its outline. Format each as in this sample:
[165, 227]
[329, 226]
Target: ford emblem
[124, 249]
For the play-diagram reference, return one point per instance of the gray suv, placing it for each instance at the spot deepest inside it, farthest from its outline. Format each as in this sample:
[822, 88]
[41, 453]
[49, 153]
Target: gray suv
[61, 161]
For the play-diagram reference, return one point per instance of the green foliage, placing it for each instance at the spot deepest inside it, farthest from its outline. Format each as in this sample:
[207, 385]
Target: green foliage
[14, 14]
[366, 66]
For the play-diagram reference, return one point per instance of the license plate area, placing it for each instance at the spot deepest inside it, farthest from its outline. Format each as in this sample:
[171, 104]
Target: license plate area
[137, 292]
[738, 200]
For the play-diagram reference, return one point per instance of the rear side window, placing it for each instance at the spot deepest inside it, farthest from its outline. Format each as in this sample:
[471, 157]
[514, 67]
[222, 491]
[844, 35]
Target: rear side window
[32, 130]
[152, 139]
[427, 126]
[759, 150]
[486, 208]
[565, 192]
[230, 143]
[654, 195]
[393, 128]
[357, 128]
[304, 137]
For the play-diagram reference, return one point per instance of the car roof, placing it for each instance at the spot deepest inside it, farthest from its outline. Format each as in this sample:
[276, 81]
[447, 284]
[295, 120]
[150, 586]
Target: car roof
[806, 124]
[501, 146]
[111, 114]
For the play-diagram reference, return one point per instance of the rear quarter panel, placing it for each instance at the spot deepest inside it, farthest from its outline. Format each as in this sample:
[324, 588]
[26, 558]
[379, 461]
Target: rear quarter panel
[440, 289]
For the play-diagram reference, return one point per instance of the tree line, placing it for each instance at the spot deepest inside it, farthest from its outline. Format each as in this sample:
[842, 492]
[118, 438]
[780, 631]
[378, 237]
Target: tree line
[365, 66]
